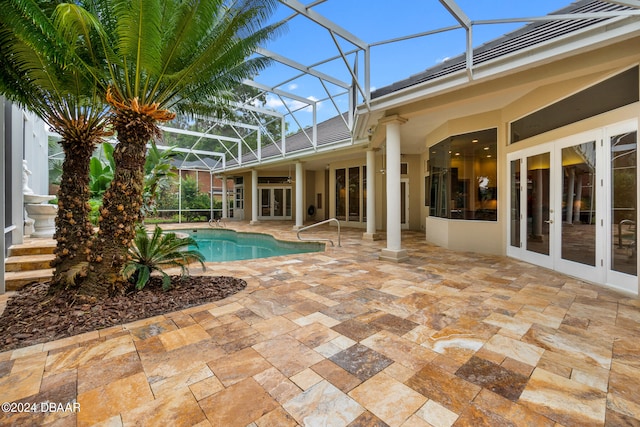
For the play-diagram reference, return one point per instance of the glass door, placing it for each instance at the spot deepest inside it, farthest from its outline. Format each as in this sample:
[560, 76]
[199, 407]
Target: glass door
[265, 202]
[531, 222]
[573, 206]
[275, 203]
[622, 235]
[539, 222]
[580, 218]
[278, 201]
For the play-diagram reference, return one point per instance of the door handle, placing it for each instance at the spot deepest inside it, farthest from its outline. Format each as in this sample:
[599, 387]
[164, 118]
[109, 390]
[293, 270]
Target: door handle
[549, 221]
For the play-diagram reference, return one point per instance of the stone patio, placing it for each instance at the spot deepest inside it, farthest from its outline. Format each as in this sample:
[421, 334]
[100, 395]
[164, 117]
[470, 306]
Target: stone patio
[342, 339]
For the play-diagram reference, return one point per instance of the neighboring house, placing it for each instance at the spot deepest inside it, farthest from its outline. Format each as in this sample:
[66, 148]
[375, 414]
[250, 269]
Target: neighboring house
[526, 148]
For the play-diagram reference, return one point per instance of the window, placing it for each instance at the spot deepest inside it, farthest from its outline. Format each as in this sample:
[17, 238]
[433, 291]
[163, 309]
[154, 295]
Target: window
[351, 194]
[341, 197]
[239, 187]
[464, 176]
[618, 91]
[354, 194]
[265, 180]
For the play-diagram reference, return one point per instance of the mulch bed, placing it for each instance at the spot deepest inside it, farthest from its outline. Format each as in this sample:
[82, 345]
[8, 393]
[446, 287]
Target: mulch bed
[34, 316]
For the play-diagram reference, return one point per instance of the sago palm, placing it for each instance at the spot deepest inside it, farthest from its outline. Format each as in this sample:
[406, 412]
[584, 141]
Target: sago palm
[41, 70]
[156, 251]
[163, 56]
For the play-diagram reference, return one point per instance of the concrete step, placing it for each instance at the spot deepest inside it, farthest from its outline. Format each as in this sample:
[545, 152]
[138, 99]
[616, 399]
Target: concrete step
[33, 247]
[28, 262]
[16, 280]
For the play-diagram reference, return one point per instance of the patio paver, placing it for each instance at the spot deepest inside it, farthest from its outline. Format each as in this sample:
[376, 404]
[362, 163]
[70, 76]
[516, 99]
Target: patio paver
[342, 339]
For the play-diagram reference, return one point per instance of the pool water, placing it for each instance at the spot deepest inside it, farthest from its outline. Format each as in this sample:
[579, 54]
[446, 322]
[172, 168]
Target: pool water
[218, 245]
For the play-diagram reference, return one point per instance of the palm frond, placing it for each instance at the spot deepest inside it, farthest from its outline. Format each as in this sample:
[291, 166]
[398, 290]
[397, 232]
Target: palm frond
[138, 40]
[157, 251]
[41, 68]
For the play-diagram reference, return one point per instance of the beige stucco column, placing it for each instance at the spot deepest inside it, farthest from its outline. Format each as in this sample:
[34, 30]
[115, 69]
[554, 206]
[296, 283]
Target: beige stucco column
[299, 197]
[225, 208]
[254, 197]
[393, 251]
[371, 196]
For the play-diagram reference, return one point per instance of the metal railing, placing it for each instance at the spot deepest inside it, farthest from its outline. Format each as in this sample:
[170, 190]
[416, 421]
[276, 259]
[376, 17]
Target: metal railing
[632, 226]
[317, 224]
[219, 223]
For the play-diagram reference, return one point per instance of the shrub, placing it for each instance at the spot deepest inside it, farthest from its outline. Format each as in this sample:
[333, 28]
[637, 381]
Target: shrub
[94, 214]
[156, 251]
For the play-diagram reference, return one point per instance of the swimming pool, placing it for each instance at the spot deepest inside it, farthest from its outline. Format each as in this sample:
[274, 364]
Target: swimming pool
[218, 245]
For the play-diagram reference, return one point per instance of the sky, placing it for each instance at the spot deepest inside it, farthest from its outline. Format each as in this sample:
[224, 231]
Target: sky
[374, 21]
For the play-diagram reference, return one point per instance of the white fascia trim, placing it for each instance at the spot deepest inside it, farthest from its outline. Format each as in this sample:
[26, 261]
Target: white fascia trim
[632, 3]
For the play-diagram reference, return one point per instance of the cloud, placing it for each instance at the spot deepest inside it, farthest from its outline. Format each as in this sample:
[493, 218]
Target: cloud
[292, 86]
[441, 60]
[276, 104]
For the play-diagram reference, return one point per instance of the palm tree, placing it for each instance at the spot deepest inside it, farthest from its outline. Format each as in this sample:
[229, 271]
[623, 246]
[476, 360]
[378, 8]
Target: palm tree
[163, 56]
[40, 70]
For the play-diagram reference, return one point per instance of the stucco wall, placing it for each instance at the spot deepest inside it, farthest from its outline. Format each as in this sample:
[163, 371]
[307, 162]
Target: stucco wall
[36, 151]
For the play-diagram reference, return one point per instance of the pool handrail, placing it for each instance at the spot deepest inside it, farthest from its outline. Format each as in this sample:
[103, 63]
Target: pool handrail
[317, 224]
[217, 222]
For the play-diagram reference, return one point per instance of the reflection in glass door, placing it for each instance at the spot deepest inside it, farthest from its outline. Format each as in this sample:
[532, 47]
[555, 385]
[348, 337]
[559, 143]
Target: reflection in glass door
[578, 237]
[531, 222]
[515, 214]
[538, 220]
[623, 230]
[265, 202]
[278, 201]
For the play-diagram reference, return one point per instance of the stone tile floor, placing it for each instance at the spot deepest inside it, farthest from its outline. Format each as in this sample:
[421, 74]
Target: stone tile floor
[342, 339]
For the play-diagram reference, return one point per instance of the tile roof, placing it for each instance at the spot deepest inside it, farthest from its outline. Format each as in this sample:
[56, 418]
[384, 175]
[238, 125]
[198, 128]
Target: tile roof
[331, 131]
[529, 35]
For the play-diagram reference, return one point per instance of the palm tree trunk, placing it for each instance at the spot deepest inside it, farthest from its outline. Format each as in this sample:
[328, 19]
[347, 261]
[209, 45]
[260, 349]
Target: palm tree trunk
[73, 228]
[120, 205]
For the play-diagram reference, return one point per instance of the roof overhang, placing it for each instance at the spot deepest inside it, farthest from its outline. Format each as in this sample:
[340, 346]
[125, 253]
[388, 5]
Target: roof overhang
[588, 39]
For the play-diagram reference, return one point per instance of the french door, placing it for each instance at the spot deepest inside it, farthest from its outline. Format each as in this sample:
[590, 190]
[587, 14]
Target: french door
[275, 202]
[573, 205]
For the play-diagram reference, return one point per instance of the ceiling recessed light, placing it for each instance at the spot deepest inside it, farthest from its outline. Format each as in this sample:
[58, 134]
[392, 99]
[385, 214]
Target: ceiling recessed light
[457, 154]
[474, 141]
[486, 148]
